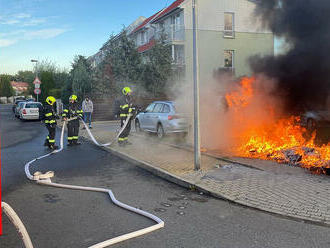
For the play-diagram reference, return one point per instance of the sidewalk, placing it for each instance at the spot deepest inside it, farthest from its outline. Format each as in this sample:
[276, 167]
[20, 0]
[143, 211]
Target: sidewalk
[264, 185]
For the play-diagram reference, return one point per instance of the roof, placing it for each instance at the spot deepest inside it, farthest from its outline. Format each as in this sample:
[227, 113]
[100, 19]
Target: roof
[169, 9]
[19, 84]
[146, 21]
[146, 46]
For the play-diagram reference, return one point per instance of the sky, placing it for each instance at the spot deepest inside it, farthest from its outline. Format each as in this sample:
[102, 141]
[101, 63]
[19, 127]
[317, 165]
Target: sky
[57, 30]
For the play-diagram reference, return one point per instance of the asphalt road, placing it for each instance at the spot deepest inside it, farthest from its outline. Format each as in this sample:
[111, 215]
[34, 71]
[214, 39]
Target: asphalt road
[65, 218]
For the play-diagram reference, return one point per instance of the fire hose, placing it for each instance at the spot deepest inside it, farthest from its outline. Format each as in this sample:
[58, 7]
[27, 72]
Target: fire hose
[44, 179]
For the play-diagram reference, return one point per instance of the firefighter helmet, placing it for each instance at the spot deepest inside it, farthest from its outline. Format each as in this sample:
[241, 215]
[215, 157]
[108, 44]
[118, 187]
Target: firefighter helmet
[73, 97]
[50, 100]
[126, 90]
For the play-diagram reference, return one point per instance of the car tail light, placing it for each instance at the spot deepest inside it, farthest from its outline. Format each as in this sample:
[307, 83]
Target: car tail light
[171, 117]
[24, 111]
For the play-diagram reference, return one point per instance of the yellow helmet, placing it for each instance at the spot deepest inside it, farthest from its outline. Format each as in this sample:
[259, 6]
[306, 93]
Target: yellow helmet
[126, 90]
[73, 97]
[50, 100]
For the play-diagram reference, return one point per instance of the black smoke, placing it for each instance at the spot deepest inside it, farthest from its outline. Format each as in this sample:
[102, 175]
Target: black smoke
[303, 73]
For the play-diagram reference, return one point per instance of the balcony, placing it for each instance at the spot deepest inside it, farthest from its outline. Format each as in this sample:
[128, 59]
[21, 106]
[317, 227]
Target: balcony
[172, 33]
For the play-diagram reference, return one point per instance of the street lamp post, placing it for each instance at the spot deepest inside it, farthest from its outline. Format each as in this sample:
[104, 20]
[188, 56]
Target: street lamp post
[36, 72]
[197, 148]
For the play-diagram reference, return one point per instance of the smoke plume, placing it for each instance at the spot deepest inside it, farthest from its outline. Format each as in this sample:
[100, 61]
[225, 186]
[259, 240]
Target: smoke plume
[303, 73]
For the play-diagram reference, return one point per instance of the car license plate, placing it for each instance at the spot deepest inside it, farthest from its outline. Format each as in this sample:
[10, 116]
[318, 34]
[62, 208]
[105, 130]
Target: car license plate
[34, 111]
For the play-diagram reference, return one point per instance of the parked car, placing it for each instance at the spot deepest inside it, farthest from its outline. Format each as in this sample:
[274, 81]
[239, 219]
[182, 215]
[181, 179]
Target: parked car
[16, 103]
[312, 120]
[161, 117]
[18, 108]
[30, 111]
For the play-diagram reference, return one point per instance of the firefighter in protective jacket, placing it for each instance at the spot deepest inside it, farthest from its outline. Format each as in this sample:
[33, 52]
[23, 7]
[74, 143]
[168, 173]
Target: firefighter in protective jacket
[50, 122]
[72, 114]
[124, 111]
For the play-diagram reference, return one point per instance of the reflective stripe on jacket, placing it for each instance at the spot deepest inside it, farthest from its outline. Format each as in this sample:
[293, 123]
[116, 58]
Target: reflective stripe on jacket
[72, 111]
[125, 107]
[49, 114]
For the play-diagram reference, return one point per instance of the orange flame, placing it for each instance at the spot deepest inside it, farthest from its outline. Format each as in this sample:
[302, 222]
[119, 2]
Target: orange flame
[280, 139]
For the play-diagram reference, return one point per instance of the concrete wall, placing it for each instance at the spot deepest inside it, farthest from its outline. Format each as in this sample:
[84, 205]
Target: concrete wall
[5, 100]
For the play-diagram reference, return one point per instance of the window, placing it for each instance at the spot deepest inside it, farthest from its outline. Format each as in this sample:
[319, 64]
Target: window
[150, 108]
[178, 54]
[166, 109]
[161, 26]
[32, 105]
[228, 59]
[177, 30]
[229, 25]
[143, 38]
[158, 108]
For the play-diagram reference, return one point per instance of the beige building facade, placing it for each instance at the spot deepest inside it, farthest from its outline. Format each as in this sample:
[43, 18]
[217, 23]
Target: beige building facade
[228, 34]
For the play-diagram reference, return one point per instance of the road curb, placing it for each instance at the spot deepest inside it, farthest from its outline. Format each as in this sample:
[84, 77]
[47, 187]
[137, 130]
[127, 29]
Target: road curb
[195, 186]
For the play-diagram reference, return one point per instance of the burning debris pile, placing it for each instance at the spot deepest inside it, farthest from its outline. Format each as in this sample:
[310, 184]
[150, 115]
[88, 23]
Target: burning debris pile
[261, 131]
[264, 111]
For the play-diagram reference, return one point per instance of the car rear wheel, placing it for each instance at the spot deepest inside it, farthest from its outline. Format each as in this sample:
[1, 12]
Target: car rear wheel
[137, 126]
[160, 131]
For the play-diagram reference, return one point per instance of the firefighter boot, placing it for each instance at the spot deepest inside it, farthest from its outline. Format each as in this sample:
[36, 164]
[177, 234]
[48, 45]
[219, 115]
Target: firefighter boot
[53, 147]
[46, 143]
[70, 143]
[76, 143]
[121, 143]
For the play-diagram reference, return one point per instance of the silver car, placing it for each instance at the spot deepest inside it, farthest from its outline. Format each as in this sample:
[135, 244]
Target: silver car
[30, 111]
[162, 118]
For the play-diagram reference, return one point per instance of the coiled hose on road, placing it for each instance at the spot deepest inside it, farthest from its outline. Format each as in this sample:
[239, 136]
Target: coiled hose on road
[44, 179]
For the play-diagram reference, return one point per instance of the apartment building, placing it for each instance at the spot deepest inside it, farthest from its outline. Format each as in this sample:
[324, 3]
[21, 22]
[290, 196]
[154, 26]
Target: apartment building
[228, 34]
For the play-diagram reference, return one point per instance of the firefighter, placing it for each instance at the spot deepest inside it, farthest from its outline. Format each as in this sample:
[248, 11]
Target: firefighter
[72, 114]
[50, 122]
[125, 109]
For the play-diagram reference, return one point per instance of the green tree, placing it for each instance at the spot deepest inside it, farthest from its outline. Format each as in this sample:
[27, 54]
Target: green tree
[103, 80]
[125, 60]
[157, 69]
[66, 90]
[48, 84]
[5, 87]
[81, 76]
[60, 78]
[123, 65]
[25, 76]
[53, 79]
